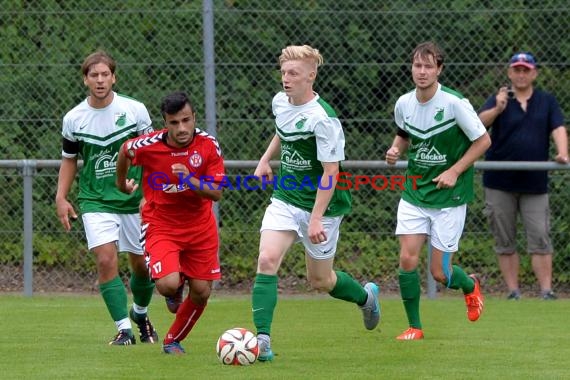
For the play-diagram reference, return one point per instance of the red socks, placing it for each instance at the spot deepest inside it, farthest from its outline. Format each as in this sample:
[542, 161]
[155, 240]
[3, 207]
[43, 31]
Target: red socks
[186, 317]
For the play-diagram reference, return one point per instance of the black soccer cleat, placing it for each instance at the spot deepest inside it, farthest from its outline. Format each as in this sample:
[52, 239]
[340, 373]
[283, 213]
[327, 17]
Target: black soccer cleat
[146, 329]
[123, 338]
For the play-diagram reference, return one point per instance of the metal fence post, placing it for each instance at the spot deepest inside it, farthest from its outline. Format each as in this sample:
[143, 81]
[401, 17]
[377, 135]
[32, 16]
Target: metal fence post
[210, 77]
[28, 172]
[210, 83]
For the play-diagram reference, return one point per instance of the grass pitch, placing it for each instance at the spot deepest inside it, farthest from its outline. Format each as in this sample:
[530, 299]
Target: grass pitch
[65, 337]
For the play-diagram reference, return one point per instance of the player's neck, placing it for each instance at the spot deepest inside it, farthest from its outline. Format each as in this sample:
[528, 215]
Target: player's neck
[425, 94]
[100, 102]
[303, 99]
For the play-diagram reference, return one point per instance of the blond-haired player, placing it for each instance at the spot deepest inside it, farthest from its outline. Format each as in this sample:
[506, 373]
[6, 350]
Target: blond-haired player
[309, 209]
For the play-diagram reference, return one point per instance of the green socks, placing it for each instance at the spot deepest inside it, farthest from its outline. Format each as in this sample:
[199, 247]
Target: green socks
[264, 297]
[142, 288]
[263, 302]
[410, 291]
[348, 289]
[460, 280]
[115, 296]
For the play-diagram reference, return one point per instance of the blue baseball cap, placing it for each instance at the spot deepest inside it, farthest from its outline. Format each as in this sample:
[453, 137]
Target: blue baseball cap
[523, 59]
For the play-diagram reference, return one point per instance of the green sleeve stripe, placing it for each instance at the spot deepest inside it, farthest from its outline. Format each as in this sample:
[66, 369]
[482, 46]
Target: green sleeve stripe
[452, 92]
[128, 97]
[328, 109]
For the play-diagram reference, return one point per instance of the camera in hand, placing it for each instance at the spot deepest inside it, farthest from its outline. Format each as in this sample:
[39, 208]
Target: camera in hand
[510, 92]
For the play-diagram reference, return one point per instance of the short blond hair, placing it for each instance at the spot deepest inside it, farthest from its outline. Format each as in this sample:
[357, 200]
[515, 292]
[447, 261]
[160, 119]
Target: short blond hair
[298, 52]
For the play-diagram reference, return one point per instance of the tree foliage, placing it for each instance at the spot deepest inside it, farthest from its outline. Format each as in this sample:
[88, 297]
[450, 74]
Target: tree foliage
[159, 48]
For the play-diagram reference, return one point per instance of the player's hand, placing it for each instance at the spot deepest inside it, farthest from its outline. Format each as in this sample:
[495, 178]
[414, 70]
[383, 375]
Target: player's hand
[129, 187]
[263, 169]
[561, 159]
[447, 179]
[392, 155]
[501, 99]
[180, 169]
[316, 232]
[65, 213]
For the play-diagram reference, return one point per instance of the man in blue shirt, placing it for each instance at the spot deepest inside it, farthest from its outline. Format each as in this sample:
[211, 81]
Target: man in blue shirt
[522, 119]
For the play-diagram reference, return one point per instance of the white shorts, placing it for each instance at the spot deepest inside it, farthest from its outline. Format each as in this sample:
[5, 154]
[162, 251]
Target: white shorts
[280, 216]
[444, 226]
[103, 227]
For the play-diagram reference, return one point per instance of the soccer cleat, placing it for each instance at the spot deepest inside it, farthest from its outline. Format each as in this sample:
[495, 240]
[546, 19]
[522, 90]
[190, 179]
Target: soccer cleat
[549, 296]
[173, 348]
[371, 309]
[474, 301]
[173, 303]
[411, 334]
[123, 338]
[146, 329]
[265, 352]
[514, 295]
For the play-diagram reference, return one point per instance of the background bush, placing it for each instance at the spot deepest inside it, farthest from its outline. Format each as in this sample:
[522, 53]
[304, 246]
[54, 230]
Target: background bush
[366, 45]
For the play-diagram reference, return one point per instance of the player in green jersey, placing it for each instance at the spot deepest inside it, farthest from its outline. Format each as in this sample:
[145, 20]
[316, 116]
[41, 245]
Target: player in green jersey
[310, 208]
[95, 130]
[444, 137]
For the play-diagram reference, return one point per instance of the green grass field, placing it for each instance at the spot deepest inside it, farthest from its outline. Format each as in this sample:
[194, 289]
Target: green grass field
[65, 337]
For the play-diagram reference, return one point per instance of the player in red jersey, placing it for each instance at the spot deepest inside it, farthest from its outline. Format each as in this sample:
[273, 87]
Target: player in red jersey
[183, 168]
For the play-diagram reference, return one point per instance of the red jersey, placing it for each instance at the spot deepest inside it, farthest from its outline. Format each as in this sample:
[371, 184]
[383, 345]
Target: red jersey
[170, 200]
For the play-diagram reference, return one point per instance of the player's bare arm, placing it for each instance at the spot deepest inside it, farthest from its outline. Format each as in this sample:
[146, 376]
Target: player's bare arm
[123, 184]
[141, 205]
[449, 177]
[324, 195]
[263, 168]
[64, 209]
[399, 147]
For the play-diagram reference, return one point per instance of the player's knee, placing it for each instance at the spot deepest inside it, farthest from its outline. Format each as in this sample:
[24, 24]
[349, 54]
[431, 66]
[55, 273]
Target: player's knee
[439, 276]
[267, 263]
[106, 264]
[167, 286]
[408, 262]
[200, 295]
[321, 284]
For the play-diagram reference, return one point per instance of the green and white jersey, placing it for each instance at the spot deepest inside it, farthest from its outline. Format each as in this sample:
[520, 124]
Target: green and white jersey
[100, 133]
[309, 134]
[440, 132]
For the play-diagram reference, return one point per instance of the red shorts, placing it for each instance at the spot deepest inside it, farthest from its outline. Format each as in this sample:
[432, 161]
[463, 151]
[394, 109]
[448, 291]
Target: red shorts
[192, 252]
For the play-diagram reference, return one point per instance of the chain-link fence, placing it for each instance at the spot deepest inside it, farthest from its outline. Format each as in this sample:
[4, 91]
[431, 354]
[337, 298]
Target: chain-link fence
[159, 47]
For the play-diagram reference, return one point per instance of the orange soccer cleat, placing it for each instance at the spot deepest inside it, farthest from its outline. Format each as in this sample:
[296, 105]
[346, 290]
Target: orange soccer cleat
[474, 301]
[411, 334]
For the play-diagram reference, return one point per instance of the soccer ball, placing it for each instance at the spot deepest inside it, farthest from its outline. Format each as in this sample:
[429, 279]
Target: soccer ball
[237, 346]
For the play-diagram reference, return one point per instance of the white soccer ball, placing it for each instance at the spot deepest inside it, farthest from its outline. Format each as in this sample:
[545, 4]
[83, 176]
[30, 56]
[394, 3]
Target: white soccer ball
[237, 346]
